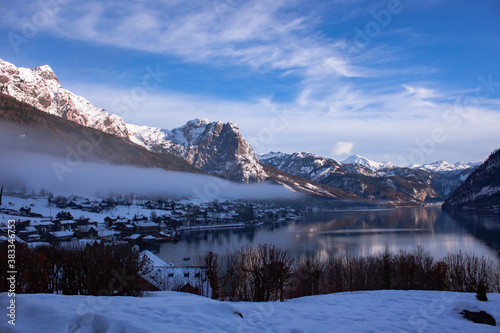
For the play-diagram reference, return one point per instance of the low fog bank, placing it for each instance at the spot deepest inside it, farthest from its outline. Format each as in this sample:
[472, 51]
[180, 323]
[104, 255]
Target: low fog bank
[63, 176]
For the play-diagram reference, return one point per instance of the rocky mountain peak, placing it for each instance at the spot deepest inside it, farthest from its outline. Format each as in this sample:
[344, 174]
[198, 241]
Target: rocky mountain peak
[46, 73]
[217, 147]
[41, 88]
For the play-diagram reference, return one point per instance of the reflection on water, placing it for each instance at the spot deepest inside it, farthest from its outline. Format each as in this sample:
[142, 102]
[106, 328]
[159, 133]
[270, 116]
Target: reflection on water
[363, 232]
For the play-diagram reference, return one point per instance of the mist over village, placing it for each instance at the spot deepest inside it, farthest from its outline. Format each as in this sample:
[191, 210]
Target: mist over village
[249, 166]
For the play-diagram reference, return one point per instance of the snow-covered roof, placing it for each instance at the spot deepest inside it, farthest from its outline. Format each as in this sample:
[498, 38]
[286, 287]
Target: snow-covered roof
[135, 236]
[147, 224]
[60, 234]
[155, 260]
[86, 228]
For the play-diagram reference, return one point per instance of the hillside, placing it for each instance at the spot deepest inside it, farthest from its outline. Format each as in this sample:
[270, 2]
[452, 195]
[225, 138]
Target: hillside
[481, 190]
[307, 186]
[25, 128]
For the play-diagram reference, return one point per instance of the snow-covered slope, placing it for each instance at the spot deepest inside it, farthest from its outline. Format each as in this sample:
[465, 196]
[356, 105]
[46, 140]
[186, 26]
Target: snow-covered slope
[481, 189]
[373, 311]
[40, 88]
[214, 147]
[363, 161]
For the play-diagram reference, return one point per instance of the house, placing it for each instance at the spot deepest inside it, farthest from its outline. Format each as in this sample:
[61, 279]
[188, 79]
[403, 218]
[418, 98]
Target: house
[125, 229]
[31, 230]
[34, 238]
[62, 215]
[84, 221]
[108, 234]
[135, 238]
[87, 231]
[147, 228]
[43, 226]
[21, 225]
[25, 211]
[59, 236]
[140, 217]
[109, 221]
[87, 207]
[180, 278]
[65, 225]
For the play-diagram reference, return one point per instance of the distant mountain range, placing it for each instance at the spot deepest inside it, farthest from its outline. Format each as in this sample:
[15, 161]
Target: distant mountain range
[371, 180]
[440, 166]
[219, 148]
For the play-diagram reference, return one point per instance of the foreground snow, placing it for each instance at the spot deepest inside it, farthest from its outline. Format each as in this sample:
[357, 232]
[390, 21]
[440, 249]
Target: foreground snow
[375, 311]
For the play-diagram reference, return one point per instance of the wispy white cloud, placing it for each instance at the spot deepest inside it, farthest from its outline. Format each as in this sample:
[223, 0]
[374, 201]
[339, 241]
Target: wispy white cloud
[342, 148]
[375, 97]
[265, 35]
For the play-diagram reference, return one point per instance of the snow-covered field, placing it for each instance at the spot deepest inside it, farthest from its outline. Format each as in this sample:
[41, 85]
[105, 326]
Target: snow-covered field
[374, 311]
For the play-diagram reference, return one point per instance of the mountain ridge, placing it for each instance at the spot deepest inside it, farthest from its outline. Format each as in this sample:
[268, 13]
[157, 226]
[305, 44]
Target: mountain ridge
[41, 88]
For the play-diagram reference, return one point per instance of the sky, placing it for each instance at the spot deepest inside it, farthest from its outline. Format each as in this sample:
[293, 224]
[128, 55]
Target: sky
[409, 82]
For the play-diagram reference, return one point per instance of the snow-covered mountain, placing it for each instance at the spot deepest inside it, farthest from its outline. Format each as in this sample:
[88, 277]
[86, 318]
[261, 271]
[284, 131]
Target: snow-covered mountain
[363, 161]
[439, 166]
[443, 166]
[306, 165]
[214, 147]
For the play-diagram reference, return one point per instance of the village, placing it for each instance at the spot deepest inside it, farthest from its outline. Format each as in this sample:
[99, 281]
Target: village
[78, 218]
[47, 220]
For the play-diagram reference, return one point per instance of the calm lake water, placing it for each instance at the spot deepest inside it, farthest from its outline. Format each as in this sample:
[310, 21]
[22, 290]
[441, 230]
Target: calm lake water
[365, 232]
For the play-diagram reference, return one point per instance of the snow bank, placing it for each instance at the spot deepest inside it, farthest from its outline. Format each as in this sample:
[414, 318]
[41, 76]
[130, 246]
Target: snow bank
[375, 311]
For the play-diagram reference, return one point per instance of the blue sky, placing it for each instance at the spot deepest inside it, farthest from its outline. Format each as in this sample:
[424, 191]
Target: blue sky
[404, 81]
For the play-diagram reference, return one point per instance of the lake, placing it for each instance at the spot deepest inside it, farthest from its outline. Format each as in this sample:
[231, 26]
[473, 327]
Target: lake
[363, 232]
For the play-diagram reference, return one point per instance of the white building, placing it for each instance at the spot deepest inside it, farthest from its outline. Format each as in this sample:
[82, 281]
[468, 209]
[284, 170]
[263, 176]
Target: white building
[174, 278]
